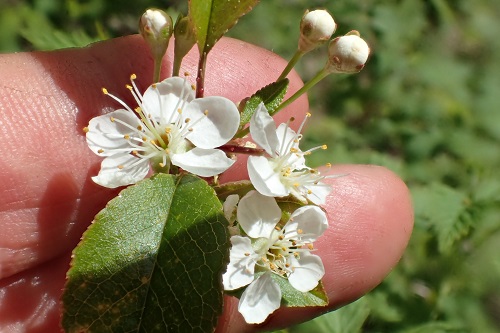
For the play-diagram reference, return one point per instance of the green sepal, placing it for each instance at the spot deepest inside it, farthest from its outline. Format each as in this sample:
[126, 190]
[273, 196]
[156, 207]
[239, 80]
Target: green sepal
[151, 261]
[271, 95]
[240, 187]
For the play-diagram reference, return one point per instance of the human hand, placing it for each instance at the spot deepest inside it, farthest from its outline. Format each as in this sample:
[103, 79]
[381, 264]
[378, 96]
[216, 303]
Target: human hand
[47, 198]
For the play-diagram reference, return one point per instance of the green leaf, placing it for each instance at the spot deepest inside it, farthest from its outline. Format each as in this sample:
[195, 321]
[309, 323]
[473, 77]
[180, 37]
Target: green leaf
[348, 319]
[446, 211]
[213, 18]
[271, 95]
[291, 297]
[151, 261]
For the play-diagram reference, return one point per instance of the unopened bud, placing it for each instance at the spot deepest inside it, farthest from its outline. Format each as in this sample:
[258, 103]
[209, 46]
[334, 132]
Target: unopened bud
[347, 54]
[184, 36]
[316, 28]
[155, 27]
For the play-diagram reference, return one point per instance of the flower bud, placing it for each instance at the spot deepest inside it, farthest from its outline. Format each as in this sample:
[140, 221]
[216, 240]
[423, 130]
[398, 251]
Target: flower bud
[184, 36]
[316, 28]
[155, 27]
[347, 54]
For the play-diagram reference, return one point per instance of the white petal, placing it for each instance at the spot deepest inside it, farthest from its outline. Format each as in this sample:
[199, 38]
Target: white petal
[264, 178]
[263, 130]
[307, 271]
[163, 99]
[109, 135]
[319, 192]
[240, 270]
[260, 299]
[311, 220]
[258, 214]
[111, 176]
[203, 162]
[287, 140]
[229, 207]
[217, 126]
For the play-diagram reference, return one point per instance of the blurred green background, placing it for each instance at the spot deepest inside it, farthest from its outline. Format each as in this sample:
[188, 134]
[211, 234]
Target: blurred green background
[426, 106]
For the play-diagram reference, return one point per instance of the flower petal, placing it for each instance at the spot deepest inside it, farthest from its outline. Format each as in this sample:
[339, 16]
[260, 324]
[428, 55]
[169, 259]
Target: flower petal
[264, 178]
[229, 207]
[240, 270]
[106, 135]
[120, 170]
[215, 121]
[258, 214]
[307, 271]
[261, 298]
[311, 220]
[163, 99]
[288, 140]
[318, 193]
[203, 162]
[263, 130]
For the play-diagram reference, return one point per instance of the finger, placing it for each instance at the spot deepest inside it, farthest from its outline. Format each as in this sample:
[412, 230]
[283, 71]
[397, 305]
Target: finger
[46, 197]
[370, 217]
[370, 221]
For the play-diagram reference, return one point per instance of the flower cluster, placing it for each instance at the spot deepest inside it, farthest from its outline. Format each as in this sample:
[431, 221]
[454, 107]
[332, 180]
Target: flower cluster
[173, 129]
[267, 249]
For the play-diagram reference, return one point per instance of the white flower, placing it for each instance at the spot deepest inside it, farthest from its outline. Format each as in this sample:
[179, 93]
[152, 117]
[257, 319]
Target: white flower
[316, 28]
[273, 250]
[347, 54]
[284, 172]
[169, 127]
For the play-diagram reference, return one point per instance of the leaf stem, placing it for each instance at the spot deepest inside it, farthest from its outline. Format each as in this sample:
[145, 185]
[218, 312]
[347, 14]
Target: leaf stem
[177, 66]
[157, 69]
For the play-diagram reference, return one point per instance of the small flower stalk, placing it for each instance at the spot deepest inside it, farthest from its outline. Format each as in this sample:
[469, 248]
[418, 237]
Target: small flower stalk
[184, 41]
[156, 28]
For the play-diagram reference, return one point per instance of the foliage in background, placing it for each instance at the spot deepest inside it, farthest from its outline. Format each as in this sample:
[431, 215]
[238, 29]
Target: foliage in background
[426, 106]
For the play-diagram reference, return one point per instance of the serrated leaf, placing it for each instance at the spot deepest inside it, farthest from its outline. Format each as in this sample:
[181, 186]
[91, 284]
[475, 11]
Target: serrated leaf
[271, 95]
[151, 261]
[213, 18]
[446, 210]
[291, 297]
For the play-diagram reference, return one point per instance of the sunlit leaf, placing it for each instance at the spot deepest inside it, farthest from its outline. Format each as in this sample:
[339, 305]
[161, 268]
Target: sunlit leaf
[213, 18]
[151, 261]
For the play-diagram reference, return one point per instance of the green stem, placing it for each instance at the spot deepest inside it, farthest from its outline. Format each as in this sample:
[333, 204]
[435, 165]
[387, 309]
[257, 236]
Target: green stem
[296, 57]
[157, 69]
[311, 83]
[200, 79]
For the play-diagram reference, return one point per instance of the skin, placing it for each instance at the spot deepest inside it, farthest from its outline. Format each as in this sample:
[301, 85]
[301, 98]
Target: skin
[47, 198]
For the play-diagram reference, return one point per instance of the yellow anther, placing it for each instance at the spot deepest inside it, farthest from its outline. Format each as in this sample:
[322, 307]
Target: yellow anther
[277, 228]
[133, 77]
[284, 248]
[126, 136]
[153, 85]
[168, 130]
[324, 147]
[296, 254]
[135, 152]
[179, 110]
[328, 165]
[104, 91]
[86, 130]
[144, 139]
[205, 112]
[112, 119]
[296, 184]
[293, 150]
[190, 129]
[162, 165]
[120, 167]
[308, 114]
[281, 237]
[186, 74]
[100, 151]
[247, 254]
[139, 127]
[309, 192]
[129, 87]
[193, 87]
[287, 265]
[187, 120]
[310, 246]
[300, 231]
